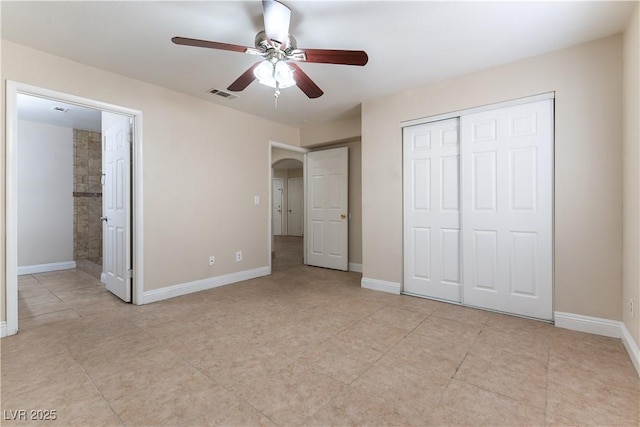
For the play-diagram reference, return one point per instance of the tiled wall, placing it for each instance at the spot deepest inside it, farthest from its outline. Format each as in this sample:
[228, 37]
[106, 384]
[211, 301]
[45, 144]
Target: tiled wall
[87, 195]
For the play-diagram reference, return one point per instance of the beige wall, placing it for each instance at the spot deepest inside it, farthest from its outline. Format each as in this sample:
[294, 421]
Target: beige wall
[631, 156]
[588, 152]
[337, 130]
[202, 167]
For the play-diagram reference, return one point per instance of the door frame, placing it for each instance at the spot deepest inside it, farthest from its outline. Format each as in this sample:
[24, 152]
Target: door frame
[14, 88]
[304, 151]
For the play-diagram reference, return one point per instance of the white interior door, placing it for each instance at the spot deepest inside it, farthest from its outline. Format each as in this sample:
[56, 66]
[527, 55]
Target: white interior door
[276, 205]
[116, 202]
[432, 210]
[327, 203]
[507, 179]
[295, 212]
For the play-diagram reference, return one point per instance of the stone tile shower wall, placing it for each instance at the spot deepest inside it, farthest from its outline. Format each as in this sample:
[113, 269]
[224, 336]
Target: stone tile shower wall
[87, 195]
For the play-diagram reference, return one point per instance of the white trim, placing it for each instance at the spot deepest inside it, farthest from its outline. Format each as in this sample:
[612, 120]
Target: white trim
[380, 285]
[592, 325]
[44, 268]
[11, 217]
[3, 329]
[275, 144]
[631, 346]
[202, 285]
[480, 109]
[355, 267]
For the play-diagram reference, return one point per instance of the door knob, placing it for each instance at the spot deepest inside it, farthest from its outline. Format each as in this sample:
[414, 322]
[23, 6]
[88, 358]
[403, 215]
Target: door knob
[343, 216]
[104, 218]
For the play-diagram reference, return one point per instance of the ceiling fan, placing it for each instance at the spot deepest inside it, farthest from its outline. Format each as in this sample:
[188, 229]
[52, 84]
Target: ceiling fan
[280, 52]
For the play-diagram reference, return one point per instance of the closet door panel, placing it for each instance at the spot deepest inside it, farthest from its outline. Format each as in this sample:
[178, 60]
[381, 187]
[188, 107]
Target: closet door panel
[431, 179]
[507, 193]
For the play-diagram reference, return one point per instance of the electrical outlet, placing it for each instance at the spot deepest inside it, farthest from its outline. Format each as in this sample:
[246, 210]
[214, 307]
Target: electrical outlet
[631, 308]
[238, 255]
[212, 260]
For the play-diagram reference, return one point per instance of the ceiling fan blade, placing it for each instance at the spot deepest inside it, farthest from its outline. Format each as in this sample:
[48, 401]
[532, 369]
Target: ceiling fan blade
[305, 83]
[244, 80]
[276, 21]
[208, 44]
[328, 56]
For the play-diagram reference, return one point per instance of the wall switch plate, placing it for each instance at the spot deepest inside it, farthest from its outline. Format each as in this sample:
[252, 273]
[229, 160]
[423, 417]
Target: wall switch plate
[256, 200]
[238, 255]
[212, 260]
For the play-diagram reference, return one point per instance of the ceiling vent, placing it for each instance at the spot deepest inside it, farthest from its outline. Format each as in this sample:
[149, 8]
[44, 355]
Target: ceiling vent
[222, 93]
[59, 109]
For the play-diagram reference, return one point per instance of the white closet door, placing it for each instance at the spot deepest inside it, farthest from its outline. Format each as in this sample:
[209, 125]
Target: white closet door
[432, 210]
[507, 193]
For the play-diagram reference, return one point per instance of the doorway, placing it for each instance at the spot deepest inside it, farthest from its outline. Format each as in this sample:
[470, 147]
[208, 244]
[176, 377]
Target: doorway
[14, 90]
[286, 235]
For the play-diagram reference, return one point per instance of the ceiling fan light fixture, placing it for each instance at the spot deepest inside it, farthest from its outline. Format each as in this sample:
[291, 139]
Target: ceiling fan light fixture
[272, 75]
[284, 74]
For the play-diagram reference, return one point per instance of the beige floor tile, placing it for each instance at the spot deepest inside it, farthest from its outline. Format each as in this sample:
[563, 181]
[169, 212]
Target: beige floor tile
[341, 360]
[186, 400]
[125, 376]
[41, 342]
[42, 296]
[372, 334]
[491, 343]
[467, 405]
[560, 421]
[352, 408]
[439, 327]
[74, 398]
[396, 317]
[521, 378]
[431, 352]
[462, 314]
[20, 377]
[31, 290]
[289, 395]
[27, 310]
[593, 403]
[413, 392]
[48, 319]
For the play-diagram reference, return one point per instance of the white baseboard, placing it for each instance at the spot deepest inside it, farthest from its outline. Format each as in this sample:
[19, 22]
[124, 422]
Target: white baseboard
[355, 267]
[632, 347]
[3, 329]
[599, 326]
[591, 325]
[380, 285]
[201, 285]
[44, 268]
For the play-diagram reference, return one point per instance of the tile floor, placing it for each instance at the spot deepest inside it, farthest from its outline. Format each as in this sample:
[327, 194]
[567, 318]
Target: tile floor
[304, 346]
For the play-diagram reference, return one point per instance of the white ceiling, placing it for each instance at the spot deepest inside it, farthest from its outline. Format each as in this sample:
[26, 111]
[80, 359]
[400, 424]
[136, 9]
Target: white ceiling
[42, 110]
[410, 43]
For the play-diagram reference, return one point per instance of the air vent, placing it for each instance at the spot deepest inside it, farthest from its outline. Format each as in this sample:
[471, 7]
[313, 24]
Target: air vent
[59, 109]
[222, 93]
